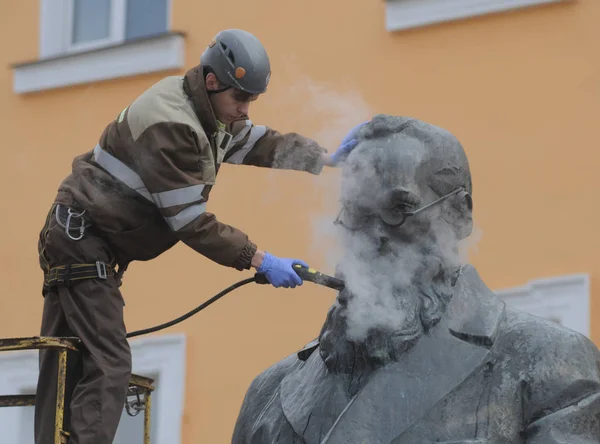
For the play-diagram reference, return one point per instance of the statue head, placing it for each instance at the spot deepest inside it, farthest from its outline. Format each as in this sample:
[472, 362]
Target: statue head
[405, 206]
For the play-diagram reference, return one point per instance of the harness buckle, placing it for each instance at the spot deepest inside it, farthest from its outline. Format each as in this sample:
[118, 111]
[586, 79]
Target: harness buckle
[64, 280]
[101, 269]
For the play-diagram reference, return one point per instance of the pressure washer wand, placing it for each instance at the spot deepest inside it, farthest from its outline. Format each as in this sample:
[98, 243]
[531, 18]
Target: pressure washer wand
[311, 275]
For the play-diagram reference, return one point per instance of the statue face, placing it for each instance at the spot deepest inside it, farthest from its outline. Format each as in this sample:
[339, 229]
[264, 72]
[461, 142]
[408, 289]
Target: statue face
[398, 225]
[385, 180]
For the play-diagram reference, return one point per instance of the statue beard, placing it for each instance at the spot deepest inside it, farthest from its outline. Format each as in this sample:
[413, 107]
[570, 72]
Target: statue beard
[367, 329]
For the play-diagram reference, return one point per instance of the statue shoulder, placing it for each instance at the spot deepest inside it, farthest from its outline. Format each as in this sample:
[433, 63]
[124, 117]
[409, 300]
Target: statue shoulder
[554, 361]
[546, 340]
[261, 392]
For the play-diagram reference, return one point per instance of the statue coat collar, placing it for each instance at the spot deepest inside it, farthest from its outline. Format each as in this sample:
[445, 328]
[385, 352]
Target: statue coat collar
[318, 407]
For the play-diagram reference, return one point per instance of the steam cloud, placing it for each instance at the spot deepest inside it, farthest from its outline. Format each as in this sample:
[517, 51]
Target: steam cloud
[386, 285]
[337, 112]
[373, 279]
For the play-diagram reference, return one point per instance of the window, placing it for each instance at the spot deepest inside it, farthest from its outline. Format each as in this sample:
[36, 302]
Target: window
[564, 300]
[405, 14]
[96, 23]
[90, 22]
[158, 357]
[145, 17]
[83, 41]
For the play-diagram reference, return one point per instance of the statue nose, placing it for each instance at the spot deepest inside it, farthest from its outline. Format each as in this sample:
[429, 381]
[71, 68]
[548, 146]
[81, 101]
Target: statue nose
[343, 298]
[383, 244]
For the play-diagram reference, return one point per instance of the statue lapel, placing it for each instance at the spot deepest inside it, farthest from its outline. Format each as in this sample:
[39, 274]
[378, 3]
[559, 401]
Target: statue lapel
[312, 399]
[401, 393]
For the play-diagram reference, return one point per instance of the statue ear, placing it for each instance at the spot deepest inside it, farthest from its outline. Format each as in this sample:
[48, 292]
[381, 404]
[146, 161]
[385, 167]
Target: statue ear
[464, 216]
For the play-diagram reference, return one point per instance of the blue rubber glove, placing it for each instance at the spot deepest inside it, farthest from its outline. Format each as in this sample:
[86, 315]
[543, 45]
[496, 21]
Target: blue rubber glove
[279, 271]
[348, 143]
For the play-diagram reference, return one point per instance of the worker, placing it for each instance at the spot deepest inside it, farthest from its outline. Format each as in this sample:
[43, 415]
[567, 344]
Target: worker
[143, 188]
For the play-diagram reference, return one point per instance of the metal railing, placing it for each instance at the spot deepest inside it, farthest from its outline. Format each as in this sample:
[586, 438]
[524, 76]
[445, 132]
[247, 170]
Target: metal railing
[140, 388]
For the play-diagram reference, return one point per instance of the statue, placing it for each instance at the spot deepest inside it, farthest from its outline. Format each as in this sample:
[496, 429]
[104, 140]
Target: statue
[416, 349]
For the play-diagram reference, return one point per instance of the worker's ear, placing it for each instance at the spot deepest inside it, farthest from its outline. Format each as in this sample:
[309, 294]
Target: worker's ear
[211, 82]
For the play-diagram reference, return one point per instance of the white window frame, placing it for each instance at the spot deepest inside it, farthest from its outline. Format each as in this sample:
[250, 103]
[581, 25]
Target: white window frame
[164, 356]
[116, 33]
[565, 298]
[406, 14]
[62, 63]
[56, 36]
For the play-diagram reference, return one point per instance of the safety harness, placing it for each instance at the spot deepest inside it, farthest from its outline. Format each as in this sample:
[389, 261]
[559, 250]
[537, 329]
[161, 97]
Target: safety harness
[65, 274]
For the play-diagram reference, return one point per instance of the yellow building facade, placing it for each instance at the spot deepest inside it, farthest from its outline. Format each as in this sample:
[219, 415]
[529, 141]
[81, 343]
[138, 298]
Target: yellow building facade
[517, 81]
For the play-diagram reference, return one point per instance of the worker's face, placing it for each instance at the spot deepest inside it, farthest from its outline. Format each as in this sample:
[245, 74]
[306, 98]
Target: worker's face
[229, 105]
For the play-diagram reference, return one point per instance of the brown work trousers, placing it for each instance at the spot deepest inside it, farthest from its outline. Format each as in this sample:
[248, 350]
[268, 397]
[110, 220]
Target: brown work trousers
[92, 310]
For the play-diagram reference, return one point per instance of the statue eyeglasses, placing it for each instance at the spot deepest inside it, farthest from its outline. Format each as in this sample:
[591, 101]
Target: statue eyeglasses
[392, 217]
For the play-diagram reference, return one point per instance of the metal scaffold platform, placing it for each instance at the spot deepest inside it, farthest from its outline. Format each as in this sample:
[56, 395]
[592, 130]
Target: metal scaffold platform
[139, 395]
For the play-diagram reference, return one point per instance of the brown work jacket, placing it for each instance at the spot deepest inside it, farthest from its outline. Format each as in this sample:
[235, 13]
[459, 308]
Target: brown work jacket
[145, 185]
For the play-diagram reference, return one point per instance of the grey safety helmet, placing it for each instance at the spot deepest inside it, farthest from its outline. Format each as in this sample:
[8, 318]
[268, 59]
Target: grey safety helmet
[238, 60]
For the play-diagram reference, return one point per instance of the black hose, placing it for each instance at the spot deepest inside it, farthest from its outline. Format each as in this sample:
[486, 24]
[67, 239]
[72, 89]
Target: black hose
[256, 278]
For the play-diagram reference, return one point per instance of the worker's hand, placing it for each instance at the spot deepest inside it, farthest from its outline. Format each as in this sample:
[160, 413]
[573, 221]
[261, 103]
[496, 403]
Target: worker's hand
[348, 143]
[279, 271]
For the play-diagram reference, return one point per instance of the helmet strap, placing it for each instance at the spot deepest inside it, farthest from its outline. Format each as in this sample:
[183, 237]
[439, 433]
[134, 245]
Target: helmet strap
[220, 90]
[207, 70]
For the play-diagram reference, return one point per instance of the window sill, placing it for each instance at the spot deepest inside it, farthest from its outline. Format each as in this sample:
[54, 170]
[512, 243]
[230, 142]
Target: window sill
[406, 14]
[145, 55]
